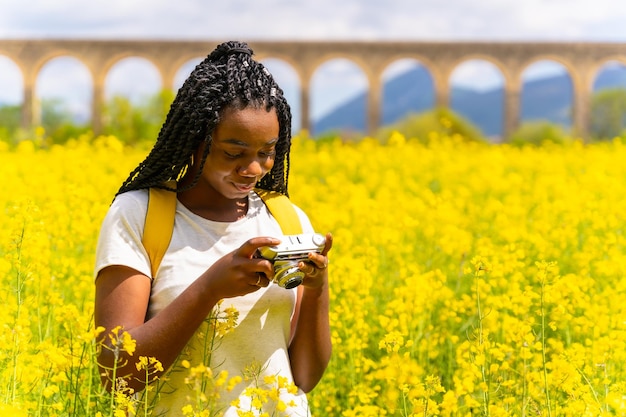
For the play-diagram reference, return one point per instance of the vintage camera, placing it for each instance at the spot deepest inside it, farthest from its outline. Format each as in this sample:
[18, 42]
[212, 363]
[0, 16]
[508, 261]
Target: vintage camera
[286, 255]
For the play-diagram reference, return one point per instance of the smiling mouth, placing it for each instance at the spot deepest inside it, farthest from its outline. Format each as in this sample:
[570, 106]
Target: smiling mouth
[244, 187]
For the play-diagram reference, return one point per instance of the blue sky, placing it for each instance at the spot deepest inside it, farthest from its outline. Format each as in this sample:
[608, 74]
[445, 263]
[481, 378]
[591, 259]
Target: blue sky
[427, 20]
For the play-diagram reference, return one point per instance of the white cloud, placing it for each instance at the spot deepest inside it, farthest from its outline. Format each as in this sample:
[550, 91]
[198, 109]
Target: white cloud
[321, 19]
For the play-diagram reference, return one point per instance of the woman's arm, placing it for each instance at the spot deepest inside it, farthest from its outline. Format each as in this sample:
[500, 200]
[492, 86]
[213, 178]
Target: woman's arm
[122, 297]
[310, 348]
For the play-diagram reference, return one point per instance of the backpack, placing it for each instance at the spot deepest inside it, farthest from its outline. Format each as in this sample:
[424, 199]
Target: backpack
[159, 222]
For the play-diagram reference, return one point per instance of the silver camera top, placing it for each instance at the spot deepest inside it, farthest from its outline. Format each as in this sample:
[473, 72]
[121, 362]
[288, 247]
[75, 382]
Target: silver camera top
[294, 247]
[288, 253]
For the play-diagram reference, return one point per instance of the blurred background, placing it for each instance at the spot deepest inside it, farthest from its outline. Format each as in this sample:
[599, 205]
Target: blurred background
[338, 86]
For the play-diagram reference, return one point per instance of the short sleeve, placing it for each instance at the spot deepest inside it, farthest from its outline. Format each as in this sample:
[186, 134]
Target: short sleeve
[119, 242]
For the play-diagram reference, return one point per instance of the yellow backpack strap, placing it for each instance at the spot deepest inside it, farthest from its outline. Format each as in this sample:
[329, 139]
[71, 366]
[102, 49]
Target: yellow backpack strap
[282, 210]
[159, 225]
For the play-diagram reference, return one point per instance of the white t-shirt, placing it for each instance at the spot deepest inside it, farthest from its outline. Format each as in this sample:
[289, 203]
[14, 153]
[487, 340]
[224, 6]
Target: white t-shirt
[262, 332]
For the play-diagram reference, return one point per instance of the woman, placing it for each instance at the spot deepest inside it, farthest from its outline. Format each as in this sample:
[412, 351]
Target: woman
[227, 131]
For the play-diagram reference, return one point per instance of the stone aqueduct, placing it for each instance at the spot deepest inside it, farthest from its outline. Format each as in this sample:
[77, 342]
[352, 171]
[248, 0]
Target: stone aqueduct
[581, 60]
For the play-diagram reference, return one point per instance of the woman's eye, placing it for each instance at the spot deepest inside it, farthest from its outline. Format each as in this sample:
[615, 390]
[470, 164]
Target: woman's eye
[232, 155]
[269, 153]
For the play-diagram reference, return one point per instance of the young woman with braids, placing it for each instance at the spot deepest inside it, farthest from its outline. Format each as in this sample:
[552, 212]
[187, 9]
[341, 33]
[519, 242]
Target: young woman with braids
[227, 131]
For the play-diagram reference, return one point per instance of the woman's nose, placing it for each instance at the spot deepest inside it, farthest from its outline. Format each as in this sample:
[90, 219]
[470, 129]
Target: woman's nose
[252, 169]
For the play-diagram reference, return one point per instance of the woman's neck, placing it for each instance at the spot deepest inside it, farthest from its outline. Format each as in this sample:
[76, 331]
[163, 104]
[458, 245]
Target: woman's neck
[206, 202]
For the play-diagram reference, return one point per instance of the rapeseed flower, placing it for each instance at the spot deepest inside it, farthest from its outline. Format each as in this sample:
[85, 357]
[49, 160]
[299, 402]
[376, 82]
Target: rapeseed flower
[423, 230]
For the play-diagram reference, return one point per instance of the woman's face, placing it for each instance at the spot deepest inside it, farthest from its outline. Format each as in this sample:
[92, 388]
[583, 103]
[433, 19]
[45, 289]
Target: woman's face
[242, 152]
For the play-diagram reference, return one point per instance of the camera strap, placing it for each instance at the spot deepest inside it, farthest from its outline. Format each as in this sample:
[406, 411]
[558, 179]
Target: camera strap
[159, 223]
[281, 208]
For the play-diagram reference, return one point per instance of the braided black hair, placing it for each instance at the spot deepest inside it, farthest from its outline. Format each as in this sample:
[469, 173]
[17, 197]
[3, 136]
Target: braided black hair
[227, 77]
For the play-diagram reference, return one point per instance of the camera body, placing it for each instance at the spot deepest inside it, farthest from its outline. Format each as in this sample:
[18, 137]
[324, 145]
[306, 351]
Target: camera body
[288, 253]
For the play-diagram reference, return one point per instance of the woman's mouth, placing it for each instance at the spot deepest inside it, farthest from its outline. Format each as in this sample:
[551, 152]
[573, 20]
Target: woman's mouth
[244, 187]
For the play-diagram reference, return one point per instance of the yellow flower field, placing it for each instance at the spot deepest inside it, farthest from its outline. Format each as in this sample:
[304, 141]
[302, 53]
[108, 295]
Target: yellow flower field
[467, 279]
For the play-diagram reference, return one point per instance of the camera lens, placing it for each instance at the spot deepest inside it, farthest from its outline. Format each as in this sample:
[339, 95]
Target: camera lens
[288, 275]
[292, 283]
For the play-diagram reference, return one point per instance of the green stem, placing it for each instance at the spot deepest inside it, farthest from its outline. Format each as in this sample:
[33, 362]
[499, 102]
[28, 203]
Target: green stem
[18, 293]
[543, 347]
[480, 344]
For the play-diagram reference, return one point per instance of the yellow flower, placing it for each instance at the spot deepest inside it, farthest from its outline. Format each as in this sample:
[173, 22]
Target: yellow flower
[411, 219]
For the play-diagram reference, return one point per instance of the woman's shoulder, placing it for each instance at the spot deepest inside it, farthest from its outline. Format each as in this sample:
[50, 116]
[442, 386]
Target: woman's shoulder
[134, 197]
[130, 205]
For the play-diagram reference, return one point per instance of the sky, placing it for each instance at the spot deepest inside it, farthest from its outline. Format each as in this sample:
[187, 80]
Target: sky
[249, 20]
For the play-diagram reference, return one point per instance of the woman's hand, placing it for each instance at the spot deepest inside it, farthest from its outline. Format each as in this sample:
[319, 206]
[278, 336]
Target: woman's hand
[242, 271]
[316, 268]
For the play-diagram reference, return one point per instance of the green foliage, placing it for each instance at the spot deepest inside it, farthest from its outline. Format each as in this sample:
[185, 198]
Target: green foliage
[9, 122]
[434, 123]
[132, 124]
[10, 116]
[608, 114]
[58, 123]
[333, 136]
[135, 124]
[537, 133]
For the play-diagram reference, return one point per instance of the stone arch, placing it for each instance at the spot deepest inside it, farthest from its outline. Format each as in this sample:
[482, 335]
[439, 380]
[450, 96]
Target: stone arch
[284, 72]
[357, 60]
[180, 66]
[318, 90]
[113, 61]
[607, 99]
[581, 77]
[433, 69]
[596, 67]
[502, 68]
[578, 57]
[493, 101]
[576, 76]
[422, 59]
[15, 58]
[150, 63]
[288, 59]
[30, 109]
[38, 65]
[373, 86]
[18, 72]
[574, 81]
[40, 85]
[169, 81]
[12, 93]
[413, 100]
[304, 74]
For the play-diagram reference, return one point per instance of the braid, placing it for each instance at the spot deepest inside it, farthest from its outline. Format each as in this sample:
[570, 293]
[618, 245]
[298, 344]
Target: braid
[227, 77]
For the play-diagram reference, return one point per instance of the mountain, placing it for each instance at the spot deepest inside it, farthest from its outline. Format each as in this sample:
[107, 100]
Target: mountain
[412, 91]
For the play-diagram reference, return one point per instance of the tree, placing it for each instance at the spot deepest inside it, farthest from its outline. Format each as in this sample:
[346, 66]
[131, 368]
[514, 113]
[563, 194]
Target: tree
[537, 133]
[9, 121]
[58, 121]
[133, 124]
[608, 114]
[439, 121]
[10, 116]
